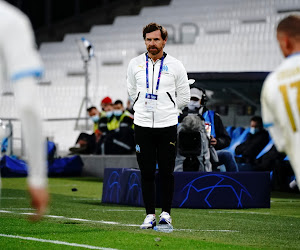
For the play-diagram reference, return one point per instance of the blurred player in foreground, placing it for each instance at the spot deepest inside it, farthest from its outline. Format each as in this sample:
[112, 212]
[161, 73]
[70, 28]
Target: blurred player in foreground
[20, 64]
[280, 96]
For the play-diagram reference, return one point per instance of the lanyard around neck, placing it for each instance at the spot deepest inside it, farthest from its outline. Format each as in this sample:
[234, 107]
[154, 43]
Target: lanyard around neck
[159, 73]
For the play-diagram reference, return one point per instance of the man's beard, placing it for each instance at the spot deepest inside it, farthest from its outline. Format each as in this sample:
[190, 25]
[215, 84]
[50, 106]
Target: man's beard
[154, 52]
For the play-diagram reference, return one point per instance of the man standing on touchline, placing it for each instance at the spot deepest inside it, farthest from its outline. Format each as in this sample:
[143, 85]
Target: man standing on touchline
[158, 84]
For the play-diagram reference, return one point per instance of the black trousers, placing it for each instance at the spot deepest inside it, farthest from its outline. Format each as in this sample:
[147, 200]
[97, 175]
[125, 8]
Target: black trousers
[156, 145]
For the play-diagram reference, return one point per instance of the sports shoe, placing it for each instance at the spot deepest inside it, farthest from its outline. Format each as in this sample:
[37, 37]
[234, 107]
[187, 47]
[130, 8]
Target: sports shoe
[149, 222]
[165, 218]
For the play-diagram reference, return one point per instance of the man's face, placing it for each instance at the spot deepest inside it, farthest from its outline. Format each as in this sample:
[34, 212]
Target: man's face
[118, 107]
[253, 124]
[93, 112]
[104, 106]
[154, 42]
[109, 107]
[195, 99]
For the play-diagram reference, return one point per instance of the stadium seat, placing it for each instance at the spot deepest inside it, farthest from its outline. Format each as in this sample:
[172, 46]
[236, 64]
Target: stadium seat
[237, 140]
[229, 130]
[265, 149]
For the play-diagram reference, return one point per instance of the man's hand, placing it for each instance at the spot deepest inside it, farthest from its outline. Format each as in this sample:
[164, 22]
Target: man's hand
[213, 141]
[98, 135]
[39, 201]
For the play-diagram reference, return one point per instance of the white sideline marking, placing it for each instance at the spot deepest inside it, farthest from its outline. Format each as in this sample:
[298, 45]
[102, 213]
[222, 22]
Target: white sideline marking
[57, 242]
[21, 208]
[124, 210]
[236, 212]
[12, 198]
[8, 212]
[118, 223]
[208, 230]
[75, 219]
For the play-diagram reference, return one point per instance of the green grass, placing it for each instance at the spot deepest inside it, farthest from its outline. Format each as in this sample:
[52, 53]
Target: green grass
[274, 228]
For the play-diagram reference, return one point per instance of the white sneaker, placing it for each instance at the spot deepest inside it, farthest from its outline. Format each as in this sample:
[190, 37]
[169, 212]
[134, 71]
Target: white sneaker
[149, 222]
[165, 218]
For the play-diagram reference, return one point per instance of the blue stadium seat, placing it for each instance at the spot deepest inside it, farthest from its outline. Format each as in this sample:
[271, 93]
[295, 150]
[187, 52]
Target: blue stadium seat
[229, 130]
[237, 132]
[237, 140]
[265, 149]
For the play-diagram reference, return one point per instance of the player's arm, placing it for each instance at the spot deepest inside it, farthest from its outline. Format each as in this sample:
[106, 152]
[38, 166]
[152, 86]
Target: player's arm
[182, 88]
[131, 82]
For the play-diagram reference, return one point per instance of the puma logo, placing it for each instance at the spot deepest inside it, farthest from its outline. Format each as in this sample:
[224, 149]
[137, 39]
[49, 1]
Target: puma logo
[173, 143]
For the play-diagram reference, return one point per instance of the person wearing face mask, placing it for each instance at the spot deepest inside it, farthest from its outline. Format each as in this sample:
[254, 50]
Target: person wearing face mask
[257, 139]
[105, 102]
[115, 117]
[86, 143]
[219, 138]
[117, 130]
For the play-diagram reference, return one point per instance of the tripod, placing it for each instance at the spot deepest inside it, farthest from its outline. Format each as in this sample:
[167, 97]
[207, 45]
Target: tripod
[85, 100]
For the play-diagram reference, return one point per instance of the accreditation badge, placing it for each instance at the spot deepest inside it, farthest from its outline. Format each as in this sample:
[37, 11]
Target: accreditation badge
[150, 102]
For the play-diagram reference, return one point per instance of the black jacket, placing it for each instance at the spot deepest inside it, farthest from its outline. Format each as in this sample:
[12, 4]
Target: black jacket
[252, 146]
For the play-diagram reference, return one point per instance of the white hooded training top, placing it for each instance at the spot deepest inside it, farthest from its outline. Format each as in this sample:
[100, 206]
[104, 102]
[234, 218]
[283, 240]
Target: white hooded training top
[173, 92]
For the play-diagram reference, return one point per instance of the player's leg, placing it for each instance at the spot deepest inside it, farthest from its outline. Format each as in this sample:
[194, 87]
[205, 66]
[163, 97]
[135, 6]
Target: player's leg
[146, 157]
[166, 155]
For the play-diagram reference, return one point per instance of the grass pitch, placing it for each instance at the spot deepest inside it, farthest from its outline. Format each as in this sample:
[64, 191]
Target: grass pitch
[78, 219]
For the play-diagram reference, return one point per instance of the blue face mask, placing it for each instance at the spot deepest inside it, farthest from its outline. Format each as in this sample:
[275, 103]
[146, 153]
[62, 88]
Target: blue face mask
[118, 112]
[108, 114]
[95, 118]
[253, 130]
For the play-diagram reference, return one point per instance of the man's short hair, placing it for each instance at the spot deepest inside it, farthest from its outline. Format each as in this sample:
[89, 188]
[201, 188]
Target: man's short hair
[118, 102]
[91, 108]
[258, 120]
[290, 25]
[153, 27]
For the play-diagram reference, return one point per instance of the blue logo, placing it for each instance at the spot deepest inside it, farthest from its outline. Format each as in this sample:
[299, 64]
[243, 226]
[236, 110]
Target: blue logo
[165, 68]
[137, 148]
[134, 193]
[222, 182]
[113, 188]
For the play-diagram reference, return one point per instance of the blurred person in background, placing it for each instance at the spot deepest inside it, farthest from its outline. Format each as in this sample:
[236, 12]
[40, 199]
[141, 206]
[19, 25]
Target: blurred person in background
[280, 97]
[105, 102]
[257, 139]
[20, 65]
[86, 143]
[219, 138]
[117, 130]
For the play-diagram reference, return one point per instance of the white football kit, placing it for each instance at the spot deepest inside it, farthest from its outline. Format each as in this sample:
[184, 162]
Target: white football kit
[280, 100]
[20, 64]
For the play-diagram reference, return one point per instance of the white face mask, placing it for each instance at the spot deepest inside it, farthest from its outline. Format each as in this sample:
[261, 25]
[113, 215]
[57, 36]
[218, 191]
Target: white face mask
[108, 114]
[118, 112]
[193, 105]
[95, 118]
